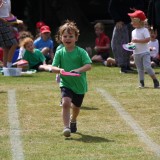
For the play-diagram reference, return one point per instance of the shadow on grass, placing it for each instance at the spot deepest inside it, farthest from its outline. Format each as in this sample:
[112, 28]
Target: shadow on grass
[90, 139]
[1, 92]
[89, 108]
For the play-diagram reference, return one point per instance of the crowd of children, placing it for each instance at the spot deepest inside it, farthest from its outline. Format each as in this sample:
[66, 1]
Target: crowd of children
[38, 51]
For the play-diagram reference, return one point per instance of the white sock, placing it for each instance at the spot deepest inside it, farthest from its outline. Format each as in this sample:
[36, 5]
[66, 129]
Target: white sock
[9, 64]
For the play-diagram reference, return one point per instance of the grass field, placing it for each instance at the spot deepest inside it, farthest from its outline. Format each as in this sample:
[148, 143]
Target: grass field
[118, 121]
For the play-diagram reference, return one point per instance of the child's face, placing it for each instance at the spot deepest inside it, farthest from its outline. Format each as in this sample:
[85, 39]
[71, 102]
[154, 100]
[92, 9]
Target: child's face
[69, 39]
[98, 31]
[45, 36]
[135, 22]
[153, 34]
[29, 46]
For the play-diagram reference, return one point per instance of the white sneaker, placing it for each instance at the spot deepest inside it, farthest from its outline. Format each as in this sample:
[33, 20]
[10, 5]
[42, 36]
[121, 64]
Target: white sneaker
[105, 63]
[67, 132]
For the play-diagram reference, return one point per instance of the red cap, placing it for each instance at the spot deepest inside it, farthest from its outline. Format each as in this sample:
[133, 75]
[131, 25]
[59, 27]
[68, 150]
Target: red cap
[40, 24]
[138, 14]
[45, 29]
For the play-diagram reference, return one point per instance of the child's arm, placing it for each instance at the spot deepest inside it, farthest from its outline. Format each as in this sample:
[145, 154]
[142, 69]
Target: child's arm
[84, 68]
[55, 69]
[51, 53]
[145, 40]
[97, 48]
[81, 69]
[44, 63]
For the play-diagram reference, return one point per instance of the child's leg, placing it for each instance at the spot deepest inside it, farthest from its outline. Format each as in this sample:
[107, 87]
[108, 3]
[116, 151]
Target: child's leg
[44, 67]
[149, 70]
[139, 65]
[147, 65]
[45, 51]
[5, 56]
[97, 58]
[66, 104]
[110, 62]
[75, 113]
[11, 52]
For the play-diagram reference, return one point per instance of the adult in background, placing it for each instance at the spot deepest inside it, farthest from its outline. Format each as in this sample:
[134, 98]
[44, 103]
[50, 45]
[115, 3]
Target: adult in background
[8, 40]
[119, 10]
[154, 16]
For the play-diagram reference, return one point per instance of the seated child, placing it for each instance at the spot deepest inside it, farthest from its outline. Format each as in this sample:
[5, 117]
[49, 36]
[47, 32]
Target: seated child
[38, 26]
[34, 56]
[45, 44]
[22, 36]
[102, 44]
[154, 48]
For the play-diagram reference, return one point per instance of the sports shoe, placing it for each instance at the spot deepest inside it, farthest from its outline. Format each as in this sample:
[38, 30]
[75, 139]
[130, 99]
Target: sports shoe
[141, 84]
[104, 63]
[67, 132]
[73, 127]
[123, 70]
[60, 103]
[156, 83]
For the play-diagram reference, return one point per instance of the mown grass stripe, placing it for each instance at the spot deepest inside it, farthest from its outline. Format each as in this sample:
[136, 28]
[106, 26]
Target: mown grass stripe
[131, 122]
[16, 144]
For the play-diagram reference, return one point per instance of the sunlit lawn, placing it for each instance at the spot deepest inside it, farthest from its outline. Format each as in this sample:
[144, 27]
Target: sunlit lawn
[102, 132]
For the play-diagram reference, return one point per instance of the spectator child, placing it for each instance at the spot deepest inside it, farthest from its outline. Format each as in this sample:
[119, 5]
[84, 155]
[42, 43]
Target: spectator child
[73, 89]
[22, 36]
[102, 44]
[154, 17]
[154, 48]
[141, 37]
[34, 56]
[38, 26]
[45, 44]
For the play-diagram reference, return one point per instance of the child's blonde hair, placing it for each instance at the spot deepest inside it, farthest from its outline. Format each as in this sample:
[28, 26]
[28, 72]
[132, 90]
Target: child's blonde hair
[137, 20]
[99, 25]
[69, 26]
[25, 41]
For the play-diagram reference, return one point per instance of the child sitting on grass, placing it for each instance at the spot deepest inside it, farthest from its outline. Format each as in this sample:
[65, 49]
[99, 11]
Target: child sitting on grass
[34, 56]
[102, 44]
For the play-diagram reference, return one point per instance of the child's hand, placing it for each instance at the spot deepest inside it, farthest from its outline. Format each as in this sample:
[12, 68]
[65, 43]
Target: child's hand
[73, 71]
[96, 48]
[152, 48]
[61, 70]
[130, 43]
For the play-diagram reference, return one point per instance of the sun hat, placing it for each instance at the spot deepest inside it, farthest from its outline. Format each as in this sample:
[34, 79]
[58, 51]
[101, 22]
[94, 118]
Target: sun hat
[45, 29]
[40, 24]
[138, 14]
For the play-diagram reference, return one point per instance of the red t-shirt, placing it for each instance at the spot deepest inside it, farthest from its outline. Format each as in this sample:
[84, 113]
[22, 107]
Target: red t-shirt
[1, 54]
[103, 40]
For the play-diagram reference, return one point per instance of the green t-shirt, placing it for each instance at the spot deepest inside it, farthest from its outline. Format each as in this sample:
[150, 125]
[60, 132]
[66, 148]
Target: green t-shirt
[34, 58]
[70, 61]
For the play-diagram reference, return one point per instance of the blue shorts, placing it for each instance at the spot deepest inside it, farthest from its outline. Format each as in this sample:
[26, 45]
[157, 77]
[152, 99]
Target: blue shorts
[77, 99]
[7, 35]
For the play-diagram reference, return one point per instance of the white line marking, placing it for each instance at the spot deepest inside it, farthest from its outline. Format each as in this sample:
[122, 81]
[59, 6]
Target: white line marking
[131, 122]
[16, 145]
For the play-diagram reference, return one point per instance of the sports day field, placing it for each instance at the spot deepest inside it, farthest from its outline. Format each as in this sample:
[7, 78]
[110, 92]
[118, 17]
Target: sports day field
[118, 121]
